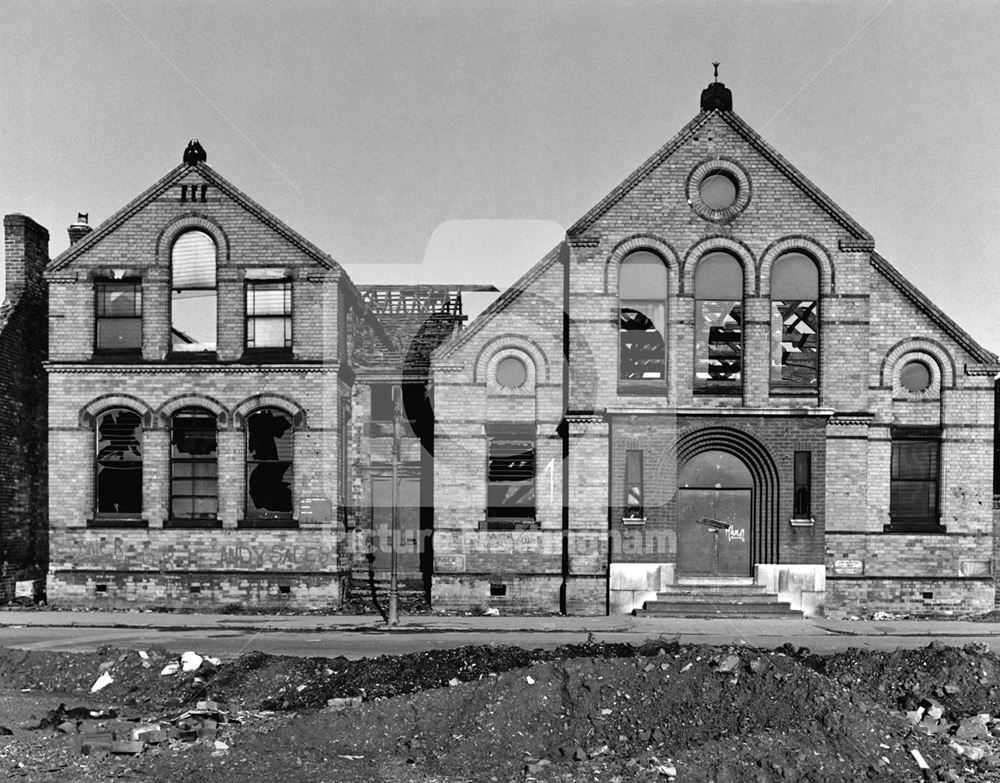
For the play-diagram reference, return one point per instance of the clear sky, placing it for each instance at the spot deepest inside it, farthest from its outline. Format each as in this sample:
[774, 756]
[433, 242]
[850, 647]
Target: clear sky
[460, 139]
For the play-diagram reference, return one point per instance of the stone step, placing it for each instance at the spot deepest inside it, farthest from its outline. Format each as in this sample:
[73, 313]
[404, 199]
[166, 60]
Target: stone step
[671, 591]
[670, 609]
[716, 598]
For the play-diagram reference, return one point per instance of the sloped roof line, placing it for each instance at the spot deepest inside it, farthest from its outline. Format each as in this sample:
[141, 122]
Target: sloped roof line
[503, 301]
[754, 139]
[931, 310]
[172, 177]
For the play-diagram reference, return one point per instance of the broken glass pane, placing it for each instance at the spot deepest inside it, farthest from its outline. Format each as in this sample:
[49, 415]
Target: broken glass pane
[795, 343]
[119, 463]
[194, 482]
[718, 343]
[511, 478]
[642, 349]
[269, 463]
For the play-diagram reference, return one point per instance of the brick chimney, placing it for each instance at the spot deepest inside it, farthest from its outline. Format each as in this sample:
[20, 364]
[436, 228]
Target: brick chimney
[26, 245]
[80, 228]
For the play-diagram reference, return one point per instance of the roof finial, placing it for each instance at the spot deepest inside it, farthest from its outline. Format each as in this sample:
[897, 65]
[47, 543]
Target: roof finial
[716, 66]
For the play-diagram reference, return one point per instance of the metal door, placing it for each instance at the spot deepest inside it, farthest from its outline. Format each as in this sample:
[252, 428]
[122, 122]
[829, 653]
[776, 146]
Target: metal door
[713, 532]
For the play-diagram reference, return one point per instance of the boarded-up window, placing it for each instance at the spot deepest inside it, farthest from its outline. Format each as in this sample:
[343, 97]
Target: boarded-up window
[510, 482]
[642, 294]
[118, 316]
[194, 465]
[914, 480]
[119, 464]
[269, 315]
[718, 324]
[193, 294]
[634, 494]
[795, 322]
[269, 464]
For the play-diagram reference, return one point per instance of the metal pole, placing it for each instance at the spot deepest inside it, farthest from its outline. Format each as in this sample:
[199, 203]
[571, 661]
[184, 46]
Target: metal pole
[393, 579]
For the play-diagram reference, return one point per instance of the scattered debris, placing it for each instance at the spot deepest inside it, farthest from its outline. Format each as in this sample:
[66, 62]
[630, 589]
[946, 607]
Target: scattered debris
[102, 682]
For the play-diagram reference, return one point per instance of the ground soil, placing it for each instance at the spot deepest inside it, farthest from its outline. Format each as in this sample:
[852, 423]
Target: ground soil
[592, 712]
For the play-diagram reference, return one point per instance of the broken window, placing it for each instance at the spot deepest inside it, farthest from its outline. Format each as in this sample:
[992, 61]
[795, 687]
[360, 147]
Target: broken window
[718, 289]
[510, 482]
[118, 316]
[802, 485]
[269, 315]
[269, 464]
[795, 322]
[193, 293]
[119, 464]
[634, 507]
[913, 503]
[194, 465]
[642, 294]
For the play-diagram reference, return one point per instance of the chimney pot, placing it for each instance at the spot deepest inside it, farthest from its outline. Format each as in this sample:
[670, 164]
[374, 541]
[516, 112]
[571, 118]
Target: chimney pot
[80, 228]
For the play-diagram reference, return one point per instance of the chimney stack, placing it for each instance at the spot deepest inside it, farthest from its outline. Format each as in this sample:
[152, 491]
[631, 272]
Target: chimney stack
[80, 228]
[26, 245]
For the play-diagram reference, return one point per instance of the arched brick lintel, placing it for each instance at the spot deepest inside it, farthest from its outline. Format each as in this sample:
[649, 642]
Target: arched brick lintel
[94, 408]
[279, 401]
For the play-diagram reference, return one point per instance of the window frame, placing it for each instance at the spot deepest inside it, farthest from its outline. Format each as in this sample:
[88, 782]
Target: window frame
[634, 513]
[114, 518]
[175, 520]
[898, 523]
[719, 387]
[259, 519]
[100, 286]
[506, 517]
[780, 307]
[173, 349]
[286, 316]
[802, 486]
[643, 306]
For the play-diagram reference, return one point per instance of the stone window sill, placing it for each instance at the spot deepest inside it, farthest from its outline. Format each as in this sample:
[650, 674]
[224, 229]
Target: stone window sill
[117, 522]
[267, 523]
[802, 522]
[633, 521]
[192, 524]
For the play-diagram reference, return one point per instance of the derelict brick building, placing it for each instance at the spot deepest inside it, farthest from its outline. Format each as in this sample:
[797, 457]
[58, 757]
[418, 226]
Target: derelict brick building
[715, 384]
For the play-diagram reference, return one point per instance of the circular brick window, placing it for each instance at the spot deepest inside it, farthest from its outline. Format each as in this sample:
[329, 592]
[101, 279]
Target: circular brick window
[511, 372]
[915, 377]
[718, 190]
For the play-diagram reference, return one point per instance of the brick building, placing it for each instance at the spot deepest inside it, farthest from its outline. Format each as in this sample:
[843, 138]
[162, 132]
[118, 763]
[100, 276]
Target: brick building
[715, 385]
[23, 422]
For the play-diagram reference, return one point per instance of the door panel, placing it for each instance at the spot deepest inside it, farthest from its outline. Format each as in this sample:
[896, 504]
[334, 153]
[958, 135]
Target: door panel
[704, 549]
[408, 521]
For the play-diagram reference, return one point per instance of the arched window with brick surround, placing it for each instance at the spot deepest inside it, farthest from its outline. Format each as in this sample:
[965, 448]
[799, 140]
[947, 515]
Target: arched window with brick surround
[269, 464]
[794, 322]
[194, 467]
[118, 465]
[193, 293]
[718, 291]
[642, 306]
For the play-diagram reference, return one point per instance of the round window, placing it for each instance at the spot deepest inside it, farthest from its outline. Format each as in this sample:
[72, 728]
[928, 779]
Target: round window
[718, 191]
[511, 372]
[915, 376]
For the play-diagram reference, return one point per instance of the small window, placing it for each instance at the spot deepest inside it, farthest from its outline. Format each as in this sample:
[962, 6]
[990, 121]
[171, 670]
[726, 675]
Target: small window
[718, 287]
[642, 307]
[269, 315]
[118, 317]
[194, 469]
[802, 485]
[795, 322]
[915, 376]
[119, 464]
[718, 191]
[634, 502]
[269, 464]
[510, 477]
[914, 480]
[511, 373]
[193, 293]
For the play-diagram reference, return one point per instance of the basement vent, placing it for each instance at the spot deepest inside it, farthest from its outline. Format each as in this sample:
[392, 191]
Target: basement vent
[497, 588]
[194, 589]
[927, 596]
[100, 588]
[285, 589]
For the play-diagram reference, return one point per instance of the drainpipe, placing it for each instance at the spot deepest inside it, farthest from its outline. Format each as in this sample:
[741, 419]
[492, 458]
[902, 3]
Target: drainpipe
[564, 258]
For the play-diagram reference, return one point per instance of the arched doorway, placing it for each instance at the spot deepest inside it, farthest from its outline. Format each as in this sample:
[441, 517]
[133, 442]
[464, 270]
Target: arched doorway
[714, 515]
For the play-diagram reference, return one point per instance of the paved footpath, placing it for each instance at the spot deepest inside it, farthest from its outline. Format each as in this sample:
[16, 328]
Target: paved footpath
[358, 636]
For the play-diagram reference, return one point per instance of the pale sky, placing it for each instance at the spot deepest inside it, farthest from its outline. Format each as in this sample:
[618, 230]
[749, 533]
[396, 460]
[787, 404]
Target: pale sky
[462, 138]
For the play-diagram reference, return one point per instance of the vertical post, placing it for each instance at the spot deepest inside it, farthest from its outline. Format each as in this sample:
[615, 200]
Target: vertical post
[396, 448]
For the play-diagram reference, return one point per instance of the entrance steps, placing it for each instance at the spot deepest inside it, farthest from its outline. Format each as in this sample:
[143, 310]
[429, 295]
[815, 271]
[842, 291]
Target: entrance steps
[717, 598]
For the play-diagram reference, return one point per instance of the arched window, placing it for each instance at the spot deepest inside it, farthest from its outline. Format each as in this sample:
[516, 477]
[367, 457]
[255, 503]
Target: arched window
[118, 480]
[193, 294]
[269, 464]
[795, 322]
[194, 465]
[642, 303]
[718, 357]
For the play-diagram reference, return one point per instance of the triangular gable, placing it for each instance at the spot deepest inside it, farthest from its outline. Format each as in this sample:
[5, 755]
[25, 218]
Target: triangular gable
[931, 310]
[502, 302]
[115, 221]
[755, 141]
